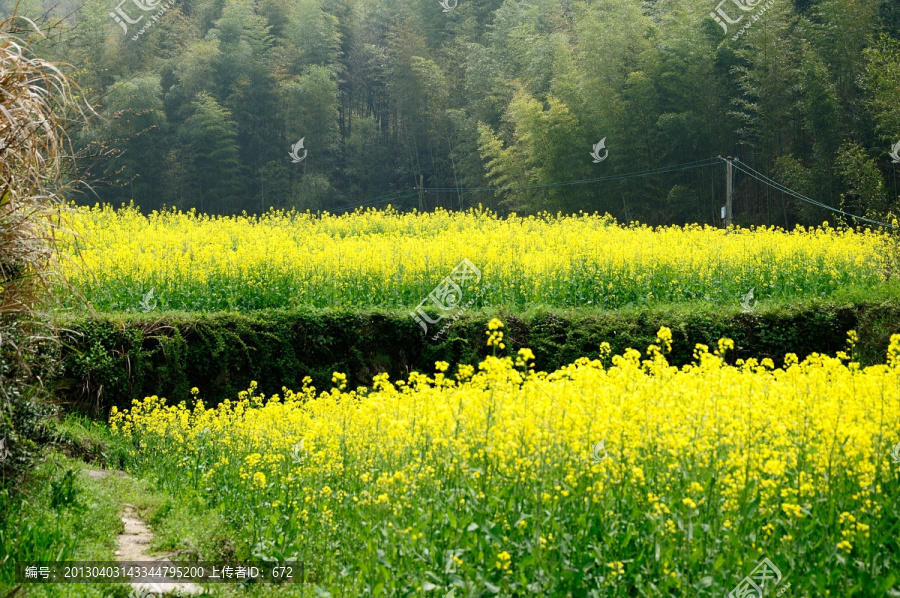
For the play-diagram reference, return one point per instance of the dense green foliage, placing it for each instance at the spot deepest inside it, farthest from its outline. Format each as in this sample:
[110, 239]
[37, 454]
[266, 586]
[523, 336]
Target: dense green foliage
[201, 109]
[112, 359]
[27, 360]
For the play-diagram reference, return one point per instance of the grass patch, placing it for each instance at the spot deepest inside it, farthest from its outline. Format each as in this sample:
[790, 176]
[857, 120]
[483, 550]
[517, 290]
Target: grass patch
[62, 514]
[59, 515]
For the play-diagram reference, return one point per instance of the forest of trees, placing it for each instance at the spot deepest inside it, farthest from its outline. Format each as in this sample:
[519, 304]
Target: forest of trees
[201, 109]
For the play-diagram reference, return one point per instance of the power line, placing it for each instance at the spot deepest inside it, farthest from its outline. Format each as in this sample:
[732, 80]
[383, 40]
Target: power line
[778, 186]
[377, 200]
[677, 168]
[662, 170]
[741, 166]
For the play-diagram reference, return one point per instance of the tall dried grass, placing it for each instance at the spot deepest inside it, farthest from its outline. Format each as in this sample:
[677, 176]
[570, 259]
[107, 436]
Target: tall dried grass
[35, 100]
[34, 97]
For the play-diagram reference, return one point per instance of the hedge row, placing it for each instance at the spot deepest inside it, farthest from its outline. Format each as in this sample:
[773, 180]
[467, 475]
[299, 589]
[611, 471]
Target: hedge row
[111, 359]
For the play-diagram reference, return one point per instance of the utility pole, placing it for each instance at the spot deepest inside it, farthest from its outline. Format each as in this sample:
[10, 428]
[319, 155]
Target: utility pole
[422, 193]
[729, 184]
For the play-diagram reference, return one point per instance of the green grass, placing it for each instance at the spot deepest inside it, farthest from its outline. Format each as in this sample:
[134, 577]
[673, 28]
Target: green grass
[850, 294]
[80, 525]
[60, 514]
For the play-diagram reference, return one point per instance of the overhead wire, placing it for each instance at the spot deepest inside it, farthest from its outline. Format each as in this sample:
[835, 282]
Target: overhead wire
[788, 191]
[389, 197]
[662, 170]
[741, 166]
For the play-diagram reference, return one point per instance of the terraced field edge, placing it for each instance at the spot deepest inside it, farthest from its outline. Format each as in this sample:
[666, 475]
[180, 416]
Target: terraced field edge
[109, 360]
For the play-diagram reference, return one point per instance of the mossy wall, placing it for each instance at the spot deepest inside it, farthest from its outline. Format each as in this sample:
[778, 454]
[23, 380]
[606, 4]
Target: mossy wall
[110, 359]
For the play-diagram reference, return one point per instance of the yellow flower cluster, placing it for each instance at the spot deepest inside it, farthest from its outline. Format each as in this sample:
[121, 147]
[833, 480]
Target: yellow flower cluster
[386, 259]
[494, 466]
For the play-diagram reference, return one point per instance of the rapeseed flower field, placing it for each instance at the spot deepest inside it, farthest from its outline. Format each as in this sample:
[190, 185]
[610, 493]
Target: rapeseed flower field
[119, 259]
[614, 476]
